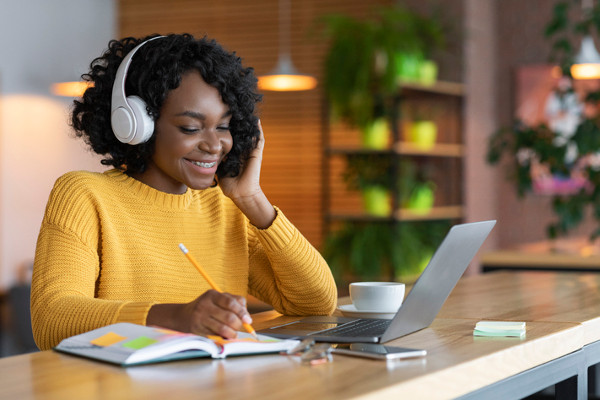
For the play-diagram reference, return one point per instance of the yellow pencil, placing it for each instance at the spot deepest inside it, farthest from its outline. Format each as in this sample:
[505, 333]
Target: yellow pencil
[212, 283]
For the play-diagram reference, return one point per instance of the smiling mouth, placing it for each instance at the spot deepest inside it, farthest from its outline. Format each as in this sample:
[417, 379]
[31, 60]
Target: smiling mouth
[205, 164]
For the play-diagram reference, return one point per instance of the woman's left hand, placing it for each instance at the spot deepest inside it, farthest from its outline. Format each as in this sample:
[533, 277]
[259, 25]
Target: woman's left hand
[245, 191]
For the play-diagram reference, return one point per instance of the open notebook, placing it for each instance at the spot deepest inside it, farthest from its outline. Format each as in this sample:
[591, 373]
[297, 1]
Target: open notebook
[130, 344]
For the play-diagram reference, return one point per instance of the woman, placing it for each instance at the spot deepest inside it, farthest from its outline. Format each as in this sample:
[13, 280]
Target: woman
[108, 245]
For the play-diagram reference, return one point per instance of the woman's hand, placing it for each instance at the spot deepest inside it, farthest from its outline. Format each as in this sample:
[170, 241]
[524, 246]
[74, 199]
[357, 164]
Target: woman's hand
[213, 313]
[245, 191]
[247, 183]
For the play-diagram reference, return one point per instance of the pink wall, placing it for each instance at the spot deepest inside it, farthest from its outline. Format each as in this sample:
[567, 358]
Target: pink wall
[36, 147]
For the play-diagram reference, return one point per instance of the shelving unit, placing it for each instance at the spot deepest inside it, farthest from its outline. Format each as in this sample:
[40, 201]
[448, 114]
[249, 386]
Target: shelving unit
[444, 158]
[443, 162]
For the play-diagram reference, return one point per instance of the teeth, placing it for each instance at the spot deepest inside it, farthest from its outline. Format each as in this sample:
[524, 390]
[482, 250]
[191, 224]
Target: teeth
[205, 164]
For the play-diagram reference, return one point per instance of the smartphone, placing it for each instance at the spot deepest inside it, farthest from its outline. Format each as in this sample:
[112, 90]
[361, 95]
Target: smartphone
[378, 351]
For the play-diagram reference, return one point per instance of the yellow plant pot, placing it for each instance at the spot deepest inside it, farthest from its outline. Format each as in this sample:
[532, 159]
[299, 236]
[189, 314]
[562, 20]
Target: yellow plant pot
[377, 135]
[428, 71]
[423, 134]
[377, 201]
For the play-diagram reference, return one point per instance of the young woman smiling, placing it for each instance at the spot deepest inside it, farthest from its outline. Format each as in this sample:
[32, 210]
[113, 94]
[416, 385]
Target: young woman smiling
[108, 245]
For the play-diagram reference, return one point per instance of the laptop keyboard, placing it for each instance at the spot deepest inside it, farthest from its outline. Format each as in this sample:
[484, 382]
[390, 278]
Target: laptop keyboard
[359, 327]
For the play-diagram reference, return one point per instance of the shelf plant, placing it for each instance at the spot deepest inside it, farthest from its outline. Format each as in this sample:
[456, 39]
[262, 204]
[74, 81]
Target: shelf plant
[371, 174]
[368, 58]
[367, 62]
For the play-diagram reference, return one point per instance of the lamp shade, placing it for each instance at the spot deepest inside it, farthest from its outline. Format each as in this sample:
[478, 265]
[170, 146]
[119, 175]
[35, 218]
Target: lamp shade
[587, 61]
[70, 89]
[285, 77]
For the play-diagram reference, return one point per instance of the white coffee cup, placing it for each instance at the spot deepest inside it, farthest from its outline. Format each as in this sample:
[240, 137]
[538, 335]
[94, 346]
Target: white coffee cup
[377, 296]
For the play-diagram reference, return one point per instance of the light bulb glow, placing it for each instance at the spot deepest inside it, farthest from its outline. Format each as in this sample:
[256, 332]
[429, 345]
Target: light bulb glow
[70, 89]
[585, 71]
[286, 82]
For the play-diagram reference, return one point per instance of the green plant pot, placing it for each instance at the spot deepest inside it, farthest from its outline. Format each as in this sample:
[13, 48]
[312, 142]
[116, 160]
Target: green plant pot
[377, 201]
[408, 67]
[428, 71]
[422, 198]
[377, 135]
[423, 134]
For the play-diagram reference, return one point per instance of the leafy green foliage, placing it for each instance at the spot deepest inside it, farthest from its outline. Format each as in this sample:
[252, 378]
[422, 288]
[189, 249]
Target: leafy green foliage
[371, 249]
[539, 144]
[361, 65]
[370, 169]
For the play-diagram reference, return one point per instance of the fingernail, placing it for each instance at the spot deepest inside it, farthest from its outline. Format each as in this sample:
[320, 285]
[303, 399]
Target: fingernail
[247, 319]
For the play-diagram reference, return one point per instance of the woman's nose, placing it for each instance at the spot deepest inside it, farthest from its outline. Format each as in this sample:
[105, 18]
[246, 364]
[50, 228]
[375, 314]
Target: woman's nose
[210, 142]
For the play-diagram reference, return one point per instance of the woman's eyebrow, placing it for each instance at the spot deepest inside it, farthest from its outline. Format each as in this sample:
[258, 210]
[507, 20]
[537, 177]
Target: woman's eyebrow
[200, 116]
[191, 114]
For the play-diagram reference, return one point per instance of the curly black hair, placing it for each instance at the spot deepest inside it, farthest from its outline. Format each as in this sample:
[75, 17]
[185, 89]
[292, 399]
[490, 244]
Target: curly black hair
[155, 70]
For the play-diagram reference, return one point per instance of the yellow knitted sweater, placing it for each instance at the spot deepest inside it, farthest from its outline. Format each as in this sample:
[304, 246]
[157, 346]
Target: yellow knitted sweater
[108, 250]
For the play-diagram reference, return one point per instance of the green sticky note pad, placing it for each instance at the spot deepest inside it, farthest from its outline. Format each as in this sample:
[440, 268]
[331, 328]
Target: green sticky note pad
[140, 342]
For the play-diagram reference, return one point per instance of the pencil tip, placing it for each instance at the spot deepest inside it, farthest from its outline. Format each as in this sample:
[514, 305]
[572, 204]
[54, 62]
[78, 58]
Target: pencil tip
[183, 248]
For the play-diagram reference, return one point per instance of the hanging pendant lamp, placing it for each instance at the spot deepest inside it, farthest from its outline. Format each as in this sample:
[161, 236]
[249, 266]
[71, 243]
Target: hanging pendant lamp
[70, 89]
[587, 61]
[285, 77]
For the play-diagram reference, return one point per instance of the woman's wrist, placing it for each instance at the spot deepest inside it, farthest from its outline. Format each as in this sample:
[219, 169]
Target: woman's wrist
[165, 315]
[258, 209]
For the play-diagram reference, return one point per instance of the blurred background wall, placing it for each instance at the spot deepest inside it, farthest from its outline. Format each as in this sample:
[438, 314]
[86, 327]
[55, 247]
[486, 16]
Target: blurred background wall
[49, 41]
[42, 42]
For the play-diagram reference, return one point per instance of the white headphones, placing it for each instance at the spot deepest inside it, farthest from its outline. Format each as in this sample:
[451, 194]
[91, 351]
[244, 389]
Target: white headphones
[128, 116]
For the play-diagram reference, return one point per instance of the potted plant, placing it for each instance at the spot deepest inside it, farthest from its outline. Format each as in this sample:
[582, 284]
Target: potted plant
[416, 189]
[366, 58]
[372, 175]
[420, 127]
[541, 149]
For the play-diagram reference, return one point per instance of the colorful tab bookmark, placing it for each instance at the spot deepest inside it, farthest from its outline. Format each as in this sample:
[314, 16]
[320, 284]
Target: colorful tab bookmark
[107, 339]
[140, 342]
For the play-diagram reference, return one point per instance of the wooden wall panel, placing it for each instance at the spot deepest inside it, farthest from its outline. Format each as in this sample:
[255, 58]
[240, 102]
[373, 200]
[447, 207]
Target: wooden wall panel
[291, 174]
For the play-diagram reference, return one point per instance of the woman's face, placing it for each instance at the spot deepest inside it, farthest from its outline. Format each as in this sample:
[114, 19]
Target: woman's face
[192, 138]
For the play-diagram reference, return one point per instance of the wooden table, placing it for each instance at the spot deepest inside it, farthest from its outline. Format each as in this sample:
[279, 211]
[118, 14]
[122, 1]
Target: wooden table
[574, 255]
[560, 324]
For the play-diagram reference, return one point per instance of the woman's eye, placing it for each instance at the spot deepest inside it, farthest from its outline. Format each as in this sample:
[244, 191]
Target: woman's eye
[188, 130]
[223, 128]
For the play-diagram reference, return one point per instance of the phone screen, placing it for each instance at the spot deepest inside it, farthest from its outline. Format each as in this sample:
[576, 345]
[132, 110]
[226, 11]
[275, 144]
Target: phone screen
[379, 351]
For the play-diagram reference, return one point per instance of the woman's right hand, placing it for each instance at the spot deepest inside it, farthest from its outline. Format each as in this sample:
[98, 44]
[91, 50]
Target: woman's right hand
[213, 313]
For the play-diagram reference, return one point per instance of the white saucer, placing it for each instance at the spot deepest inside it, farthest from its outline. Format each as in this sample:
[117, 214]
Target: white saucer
[349, 310]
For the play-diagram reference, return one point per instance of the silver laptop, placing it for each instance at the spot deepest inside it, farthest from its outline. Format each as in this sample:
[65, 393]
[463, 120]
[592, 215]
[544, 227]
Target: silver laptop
[418, 310]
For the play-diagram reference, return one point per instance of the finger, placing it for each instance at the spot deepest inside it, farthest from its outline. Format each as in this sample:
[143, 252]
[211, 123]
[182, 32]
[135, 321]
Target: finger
[217, 327]
[213, 319]
[236, 305]
[260, 143]
[225, 323]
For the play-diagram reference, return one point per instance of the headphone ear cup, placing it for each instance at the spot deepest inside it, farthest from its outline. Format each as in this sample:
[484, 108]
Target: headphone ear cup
[144, 122]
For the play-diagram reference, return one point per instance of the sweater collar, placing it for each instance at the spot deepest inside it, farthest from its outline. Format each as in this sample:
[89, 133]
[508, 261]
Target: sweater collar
[151, 195]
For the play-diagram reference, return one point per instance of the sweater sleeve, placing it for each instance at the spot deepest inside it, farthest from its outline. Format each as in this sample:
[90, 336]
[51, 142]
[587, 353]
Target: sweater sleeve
[287, 272]
[66, 267]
